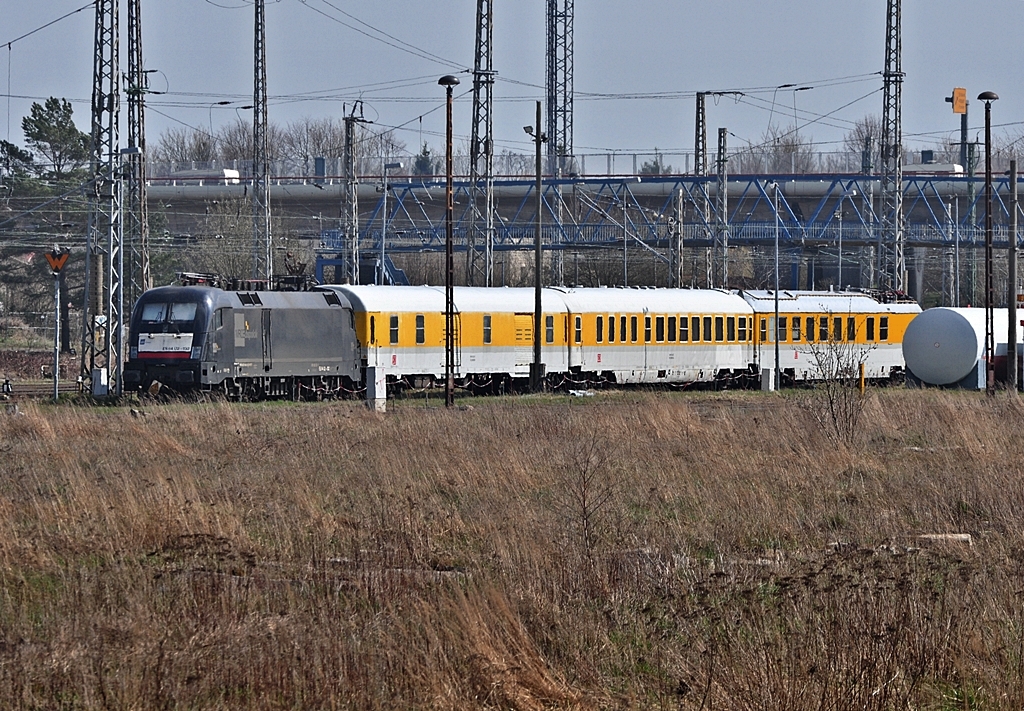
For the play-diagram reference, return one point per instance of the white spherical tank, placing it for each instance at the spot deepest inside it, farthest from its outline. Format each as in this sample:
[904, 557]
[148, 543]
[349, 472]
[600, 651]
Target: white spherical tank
[942, 346]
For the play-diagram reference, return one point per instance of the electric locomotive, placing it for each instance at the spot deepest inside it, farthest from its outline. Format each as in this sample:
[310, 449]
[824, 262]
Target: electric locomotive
[246, 344]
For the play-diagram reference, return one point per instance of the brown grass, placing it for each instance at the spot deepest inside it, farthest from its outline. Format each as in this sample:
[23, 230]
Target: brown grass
[630, 551]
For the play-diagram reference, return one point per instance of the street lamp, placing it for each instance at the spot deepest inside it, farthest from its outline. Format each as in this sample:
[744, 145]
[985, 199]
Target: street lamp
[990, 377]
[775, 327]
[537, 367]
[384, 217]
[449, 82]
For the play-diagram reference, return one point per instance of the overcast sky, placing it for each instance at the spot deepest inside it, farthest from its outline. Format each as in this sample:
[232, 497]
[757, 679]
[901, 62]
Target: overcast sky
[320, 58]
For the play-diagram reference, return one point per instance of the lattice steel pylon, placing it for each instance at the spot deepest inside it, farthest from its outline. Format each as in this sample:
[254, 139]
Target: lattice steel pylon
[262, 257]
[136, 213]
[102, 312]
[721, 251]
[350, 196]
[700, 168]
[891, 263]
[481, 153]
[558, 82]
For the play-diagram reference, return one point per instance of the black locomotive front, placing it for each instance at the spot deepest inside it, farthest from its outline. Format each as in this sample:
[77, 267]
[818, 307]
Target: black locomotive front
[169, 329]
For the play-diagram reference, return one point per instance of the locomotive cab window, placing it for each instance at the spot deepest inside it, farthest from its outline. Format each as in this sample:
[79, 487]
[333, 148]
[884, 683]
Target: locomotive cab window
[871, 328]
[883, 328]
[421, 336]
[487, 328]
[599, 335]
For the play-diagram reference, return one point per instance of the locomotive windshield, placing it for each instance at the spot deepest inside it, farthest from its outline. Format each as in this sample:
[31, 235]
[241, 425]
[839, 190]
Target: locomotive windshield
[163, 312]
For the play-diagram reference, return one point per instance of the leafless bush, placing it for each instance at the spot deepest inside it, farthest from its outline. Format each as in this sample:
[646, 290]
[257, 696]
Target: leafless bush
[839, 404]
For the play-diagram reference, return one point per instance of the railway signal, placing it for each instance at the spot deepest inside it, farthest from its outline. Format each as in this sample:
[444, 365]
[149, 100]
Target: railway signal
[56, 259]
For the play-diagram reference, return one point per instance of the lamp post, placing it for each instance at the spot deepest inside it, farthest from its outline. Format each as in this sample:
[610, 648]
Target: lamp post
[775, 327]
[384, 218]
[537, 367]
[449, 82]
[990, 377]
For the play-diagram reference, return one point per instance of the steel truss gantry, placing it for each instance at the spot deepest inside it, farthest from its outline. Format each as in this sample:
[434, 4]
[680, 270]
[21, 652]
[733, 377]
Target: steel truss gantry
[661, 214]
[102, 314]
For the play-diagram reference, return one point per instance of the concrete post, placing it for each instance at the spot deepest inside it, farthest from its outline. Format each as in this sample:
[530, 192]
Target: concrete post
[376, 389]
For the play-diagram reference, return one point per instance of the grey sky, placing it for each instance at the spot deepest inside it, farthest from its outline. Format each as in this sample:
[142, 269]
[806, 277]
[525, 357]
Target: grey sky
[203, 51]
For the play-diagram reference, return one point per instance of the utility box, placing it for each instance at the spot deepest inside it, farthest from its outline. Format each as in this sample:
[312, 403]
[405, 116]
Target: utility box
[767, 379]
[100, 387]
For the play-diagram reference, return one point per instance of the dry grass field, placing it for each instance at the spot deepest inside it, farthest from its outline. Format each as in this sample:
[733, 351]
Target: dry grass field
[632, 550]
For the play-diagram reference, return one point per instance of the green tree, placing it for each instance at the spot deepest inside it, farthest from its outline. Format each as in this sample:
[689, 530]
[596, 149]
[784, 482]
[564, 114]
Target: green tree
[423, 163]
[16, 166]
[50, 130]
[656, 166]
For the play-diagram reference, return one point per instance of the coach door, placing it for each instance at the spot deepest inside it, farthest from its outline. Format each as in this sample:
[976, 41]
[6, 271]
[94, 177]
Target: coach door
[524, 343]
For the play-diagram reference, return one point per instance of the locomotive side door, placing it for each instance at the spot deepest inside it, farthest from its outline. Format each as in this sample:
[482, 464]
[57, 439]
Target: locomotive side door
[268, 352]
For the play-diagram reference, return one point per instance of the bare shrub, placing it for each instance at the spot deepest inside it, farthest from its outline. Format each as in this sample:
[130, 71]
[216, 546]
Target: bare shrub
[838, 404]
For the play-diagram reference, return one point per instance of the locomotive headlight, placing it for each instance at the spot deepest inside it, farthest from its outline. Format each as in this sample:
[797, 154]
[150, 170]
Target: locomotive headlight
[196, 351]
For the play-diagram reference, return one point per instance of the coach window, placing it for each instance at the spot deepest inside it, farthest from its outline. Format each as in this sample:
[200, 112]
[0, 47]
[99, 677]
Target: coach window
[420, 331]
[549, 329]
[782, 329]
[883, 328]
[579, 329]
[632, 329]
[611, 329]
[823, 329]
[373, 329]
[672, 329]
[851, 329]
[622, 329]
[837, 329]
[871, 328]
[647, 329]
[695, 329]
[394, 327]
[764, 330]
[707, 329]
[719, 328]
[809, 332]
[684, 331]
[730, 329]
[600, 329]
[796, 329]
[743, 329]
[659, 329]
[487, 328]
